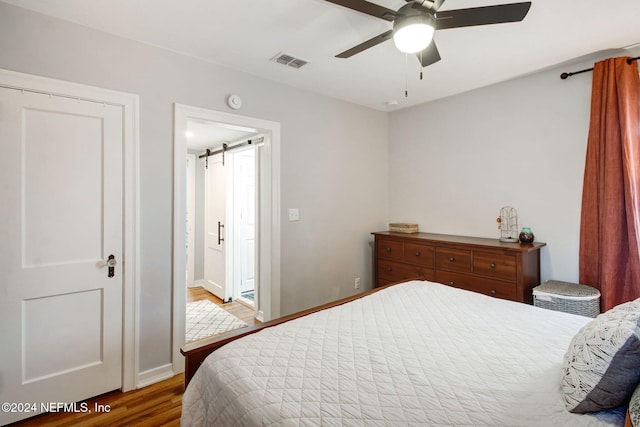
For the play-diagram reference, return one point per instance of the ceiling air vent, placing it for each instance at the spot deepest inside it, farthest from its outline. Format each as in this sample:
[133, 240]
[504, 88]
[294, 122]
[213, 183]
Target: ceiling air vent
[289, 60]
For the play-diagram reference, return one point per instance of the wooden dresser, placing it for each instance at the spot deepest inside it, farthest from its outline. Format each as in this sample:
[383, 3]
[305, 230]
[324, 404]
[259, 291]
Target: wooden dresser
[488, 266]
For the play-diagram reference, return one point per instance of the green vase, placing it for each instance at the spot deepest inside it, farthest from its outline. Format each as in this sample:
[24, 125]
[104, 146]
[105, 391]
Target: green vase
[526, 235]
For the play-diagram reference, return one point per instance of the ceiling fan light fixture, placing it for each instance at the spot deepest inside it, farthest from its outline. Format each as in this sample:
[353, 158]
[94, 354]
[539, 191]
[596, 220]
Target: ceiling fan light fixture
[413, 33]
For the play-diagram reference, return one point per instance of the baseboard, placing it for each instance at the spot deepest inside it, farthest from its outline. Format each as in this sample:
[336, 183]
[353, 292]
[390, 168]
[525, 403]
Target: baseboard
[260, 316]
[197, 284]
[155, 375]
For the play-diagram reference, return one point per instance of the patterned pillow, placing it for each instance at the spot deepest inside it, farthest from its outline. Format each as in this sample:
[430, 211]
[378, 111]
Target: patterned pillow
[602, 365]
[634, 408]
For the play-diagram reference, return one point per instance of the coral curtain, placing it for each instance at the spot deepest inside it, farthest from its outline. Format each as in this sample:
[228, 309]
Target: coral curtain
[610, 219]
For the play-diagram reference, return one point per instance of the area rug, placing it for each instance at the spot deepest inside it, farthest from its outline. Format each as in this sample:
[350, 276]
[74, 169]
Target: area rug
[205, 319]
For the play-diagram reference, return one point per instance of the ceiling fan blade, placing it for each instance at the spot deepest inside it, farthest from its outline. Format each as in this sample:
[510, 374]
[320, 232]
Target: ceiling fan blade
[367, 8]
[496, 14]
[366, 45]
[429, 55]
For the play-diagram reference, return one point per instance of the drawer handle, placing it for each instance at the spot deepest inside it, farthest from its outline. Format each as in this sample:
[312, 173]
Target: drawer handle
[493, 265]
[451, 259]
[417, 253]
[452, 283]
[389, 269]
[493, 291]
[389, 250]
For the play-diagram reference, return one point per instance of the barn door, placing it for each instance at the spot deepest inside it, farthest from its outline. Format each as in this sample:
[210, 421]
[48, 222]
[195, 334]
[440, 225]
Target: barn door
[215, 250]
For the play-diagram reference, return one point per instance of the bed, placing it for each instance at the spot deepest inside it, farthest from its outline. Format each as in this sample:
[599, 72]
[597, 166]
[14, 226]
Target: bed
[416, 353]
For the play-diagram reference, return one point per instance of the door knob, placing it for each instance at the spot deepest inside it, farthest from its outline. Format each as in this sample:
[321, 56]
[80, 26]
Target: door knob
[111, 263]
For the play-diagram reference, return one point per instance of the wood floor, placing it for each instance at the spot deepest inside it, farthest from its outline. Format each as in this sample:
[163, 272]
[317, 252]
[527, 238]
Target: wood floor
[159, 404]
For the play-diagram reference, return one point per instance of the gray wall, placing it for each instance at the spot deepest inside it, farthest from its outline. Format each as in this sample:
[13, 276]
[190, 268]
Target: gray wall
[455, 162]
[333, 159]
[198, 273]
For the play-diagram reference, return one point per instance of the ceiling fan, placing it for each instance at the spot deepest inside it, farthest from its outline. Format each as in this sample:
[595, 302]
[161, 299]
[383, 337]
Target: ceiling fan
[415, 23]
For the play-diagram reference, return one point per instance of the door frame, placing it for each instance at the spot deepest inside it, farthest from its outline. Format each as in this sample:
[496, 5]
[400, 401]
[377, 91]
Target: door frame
[192, 215]
[268, 262]
[131, 139]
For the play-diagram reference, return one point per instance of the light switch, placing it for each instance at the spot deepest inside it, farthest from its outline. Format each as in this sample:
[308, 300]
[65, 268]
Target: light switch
[294, 214]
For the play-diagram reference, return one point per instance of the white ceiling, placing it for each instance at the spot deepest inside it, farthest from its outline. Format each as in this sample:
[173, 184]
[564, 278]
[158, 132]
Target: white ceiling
[202, 134]
[245, 35]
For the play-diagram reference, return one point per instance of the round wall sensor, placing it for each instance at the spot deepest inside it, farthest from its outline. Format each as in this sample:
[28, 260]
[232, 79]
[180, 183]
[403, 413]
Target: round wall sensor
[234, 101]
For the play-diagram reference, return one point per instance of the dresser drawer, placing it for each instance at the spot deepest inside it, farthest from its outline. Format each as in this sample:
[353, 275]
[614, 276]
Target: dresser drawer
[504, 270]
[481, 285]
[453, 259]
[417, 254]
[389, 249]
[384, 282]
[496, 265]
[397, 271]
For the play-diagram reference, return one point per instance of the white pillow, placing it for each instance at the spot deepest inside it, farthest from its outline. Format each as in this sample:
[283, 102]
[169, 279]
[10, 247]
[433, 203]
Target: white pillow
[602, 365]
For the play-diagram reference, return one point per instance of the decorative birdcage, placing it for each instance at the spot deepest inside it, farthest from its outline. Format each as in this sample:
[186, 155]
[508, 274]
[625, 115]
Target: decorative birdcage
[508, 224]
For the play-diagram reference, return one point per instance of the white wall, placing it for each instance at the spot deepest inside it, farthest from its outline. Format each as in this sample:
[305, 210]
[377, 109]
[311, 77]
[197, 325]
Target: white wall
[455, 162]
[333, 159]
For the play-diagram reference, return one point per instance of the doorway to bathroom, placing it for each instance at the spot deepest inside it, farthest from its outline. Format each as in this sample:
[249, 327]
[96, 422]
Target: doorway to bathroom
[265, 139]
[221, 209]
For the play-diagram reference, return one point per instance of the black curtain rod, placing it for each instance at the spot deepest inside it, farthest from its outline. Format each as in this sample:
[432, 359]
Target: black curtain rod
[563, 76]
[226, 147]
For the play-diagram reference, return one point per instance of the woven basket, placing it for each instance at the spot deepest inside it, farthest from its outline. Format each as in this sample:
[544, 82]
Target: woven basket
[568, 297]
[403, 227]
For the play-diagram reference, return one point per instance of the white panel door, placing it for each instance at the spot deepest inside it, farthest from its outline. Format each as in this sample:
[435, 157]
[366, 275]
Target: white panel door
[215, 218]
[245, 183]
[60, 218]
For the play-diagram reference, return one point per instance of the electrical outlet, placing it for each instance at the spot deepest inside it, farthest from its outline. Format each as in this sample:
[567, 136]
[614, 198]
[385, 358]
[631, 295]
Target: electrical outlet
[294, 214]
[356, 284]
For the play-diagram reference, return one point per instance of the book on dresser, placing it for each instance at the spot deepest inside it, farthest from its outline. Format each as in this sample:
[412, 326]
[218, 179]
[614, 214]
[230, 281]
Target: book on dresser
[488, 266]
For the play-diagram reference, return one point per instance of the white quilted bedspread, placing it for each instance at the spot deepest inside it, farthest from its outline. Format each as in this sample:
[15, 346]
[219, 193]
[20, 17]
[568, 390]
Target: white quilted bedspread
[413, 354]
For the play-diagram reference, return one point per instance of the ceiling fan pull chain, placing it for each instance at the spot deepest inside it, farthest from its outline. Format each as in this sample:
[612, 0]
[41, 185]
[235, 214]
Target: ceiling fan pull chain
[421, 53]
[406, 78]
